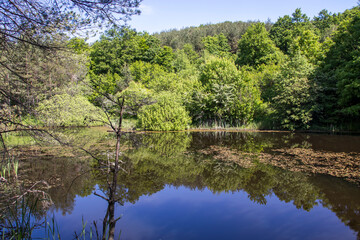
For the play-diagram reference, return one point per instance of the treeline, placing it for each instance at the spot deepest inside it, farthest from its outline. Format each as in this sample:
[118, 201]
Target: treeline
[296, 73]
[176, 39]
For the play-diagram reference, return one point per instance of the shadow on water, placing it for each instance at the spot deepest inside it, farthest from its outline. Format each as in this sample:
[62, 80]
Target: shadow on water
[305, 170]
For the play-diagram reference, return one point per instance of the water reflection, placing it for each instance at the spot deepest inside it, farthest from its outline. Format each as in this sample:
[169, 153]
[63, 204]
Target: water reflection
[219, 162]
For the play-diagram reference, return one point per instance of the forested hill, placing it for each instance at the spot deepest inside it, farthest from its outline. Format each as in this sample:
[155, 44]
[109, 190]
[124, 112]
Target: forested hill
[297, 73]
[233, 31]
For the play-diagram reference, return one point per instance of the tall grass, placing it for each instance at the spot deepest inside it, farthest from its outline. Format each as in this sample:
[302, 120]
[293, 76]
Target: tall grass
[18, 221]
[9, 168]
[227, 126]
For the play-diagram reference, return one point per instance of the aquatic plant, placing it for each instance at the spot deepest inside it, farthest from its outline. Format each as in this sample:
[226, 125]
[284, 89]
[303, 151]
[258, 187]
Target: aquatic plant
[9, 168]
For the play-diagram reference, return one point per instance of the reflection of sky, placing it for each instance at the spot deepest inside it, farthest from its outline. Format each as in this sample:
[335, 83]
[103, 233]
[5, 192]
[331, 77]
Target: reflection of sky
[180, 213]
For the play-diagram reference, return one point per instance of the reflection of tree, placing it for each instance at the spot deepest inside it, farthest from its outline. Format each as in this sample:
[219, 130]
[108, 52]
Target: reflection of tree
[149, 170]
[152, 161]
[244, 141]
[65, 176]
[292, 187]
[167, 144]
[342, 199]
[259, 182]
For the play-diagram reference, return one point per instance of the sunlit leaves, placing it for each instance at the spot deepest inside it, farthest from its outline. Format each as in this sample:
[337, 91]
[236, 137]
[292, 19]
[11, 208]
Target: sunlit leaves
[293, 102]
[66, 110]
[256, 47]
[167, 114]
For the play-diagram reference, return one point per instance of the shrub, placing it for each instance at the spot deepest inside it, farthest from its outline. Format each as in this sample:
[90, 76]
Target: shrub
[66, 110]
[166, 114]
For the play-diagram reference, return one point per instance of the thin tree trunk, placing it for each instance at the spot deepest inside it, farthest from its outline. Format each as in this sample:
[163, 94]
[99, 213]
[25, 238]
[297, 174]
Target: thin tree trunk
[112, 190]
[4, 145]
[111, 207]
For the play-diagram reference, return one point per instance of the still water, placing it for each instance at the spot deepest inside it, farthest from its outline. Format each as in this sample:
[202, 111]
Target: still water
[201, 185]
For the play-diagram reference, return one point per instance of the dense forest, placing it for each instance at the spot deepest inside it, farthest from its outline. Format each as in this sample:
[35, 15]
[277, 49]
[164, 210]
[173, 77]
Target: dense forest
[296, 73]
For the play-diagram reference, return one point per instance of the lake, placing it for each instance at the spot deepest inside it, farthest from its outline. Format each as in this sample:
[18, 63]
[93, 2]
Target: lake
[196, 185]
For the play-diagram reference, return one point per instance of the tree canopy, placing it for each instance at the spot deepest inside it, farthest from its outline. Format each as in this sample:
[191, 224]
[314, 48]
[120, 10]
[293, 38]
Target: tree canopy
[27, 20]
[35, 57]
[292, 74]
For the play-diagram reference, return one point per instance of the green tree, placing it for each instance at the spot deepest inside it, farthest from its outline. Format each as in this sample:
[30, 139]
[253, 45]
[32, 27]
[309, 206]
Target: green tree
[191, 54]
[282, 32]
[177, 39]
[294, 100]
[34, 32]
[225, 98]
[165, 57]
[29, 75]
[341, 65]
[325, 23]
[156, 78]
[306, 43]
[67, 110]
[299, 17]
[256, 47]
[217, 45]
[167, 114]
[145, 72]
[119, 47]
[38, 25]
[181, 61]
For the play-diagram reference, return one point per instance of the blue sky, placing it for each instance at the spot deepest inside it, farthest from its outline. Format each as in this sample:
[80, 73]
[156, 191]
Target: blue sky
[158, 15]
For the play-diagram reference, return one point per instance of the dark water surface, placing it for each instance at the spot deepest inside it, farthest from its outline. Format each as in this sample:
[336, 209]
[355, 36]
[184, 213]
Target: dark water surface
[204, 185]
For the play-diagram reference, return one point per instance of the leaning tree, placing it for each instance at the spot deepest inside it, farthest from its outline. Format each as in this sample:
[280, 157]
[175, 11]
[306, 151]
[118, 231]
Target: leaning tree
[32, 34]
[32, 43]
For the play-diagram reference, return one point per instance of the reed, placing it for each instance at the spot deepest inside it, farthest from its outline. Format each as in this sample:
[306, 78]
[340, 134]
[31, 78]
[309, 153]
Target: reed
[9, 168]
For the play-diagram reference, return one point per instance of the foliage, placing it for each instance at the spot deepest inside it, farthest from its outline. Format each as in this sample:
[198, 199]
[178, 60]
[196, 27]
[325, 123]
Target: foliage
[217, 45]
[256, 47]
[136, 96]
[218, 71]
[325, 23]
[178, 39]
[28, 75]
[120, 47]
[145, 73]
[165, 58]
[117, 95]
[338, 76]
[306, 43]
[343, 60]
[167, 114]
[66, 110]
[24, 20]
[264, 77]
[282, 32]
[157, 79]
[225, 97]
[78, 45]
[128, 69]
[34, 36]
[294, 101]
[181, 61]
[190, 53]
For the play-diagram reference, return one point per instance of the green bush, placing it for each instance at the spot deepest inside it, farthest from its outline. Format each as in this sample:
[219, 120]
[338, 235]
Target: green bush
[66, 110]
[166, 114]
